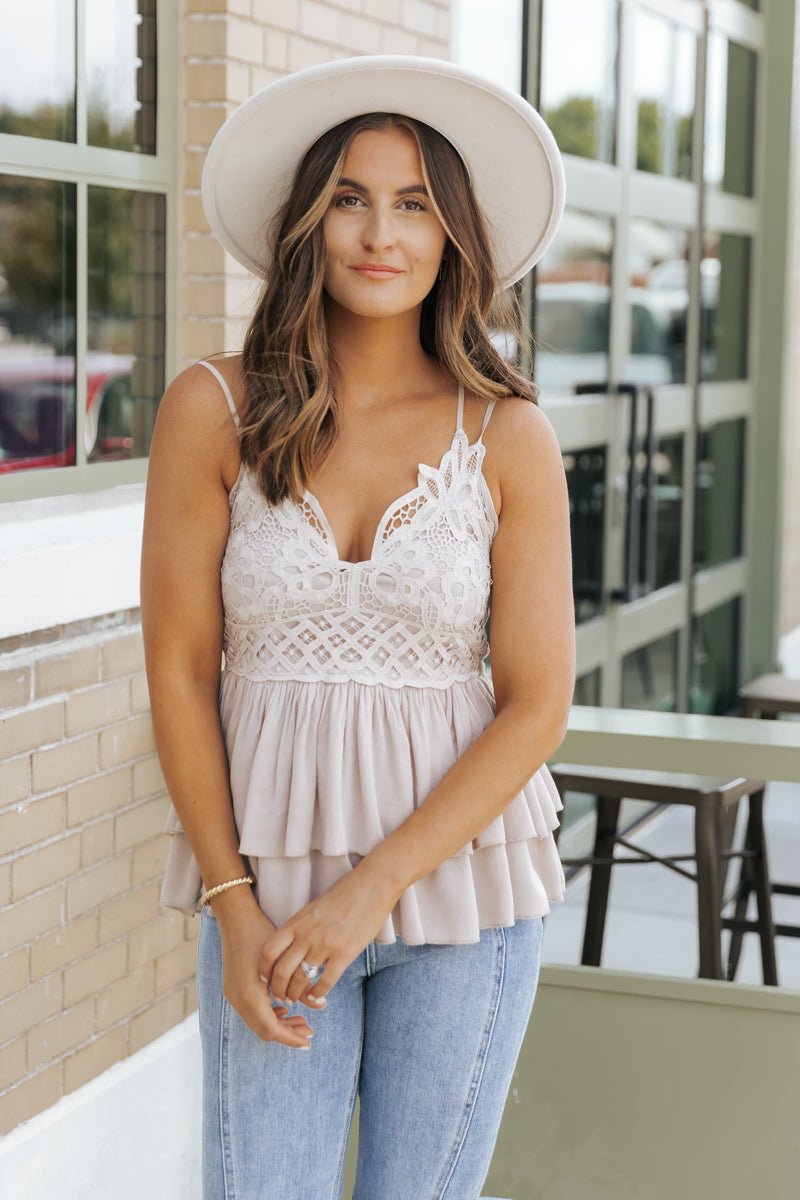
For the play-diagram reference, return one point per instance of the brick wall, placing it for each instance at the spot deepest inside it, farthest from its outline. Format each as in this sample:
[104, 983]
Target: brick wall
[90, 968]
[790, 588]
[230, 49]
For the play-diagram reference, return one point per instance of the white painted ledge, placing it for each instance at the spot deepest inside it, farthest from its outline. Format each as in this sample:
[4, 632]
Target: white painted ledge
[133, 1131]
[68, 558]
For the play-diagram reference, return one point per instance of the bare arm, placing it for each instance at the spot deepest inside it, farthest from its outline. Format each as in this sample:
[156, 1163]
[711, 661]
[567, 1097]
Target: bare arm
[186, 525]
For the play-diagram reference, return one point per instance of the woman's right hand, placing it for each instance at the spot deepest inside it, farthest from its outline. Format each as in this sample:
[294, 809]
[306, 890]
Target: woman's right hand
[244, 929]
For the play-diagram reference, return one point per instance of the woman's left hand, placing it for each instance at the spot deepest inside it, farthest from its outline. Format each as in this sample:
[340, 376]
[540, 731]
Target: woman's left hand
[331, 930]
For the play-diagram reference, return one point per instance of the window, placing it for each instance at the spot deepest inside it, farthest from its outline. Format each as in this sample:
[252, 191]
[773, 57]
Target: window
[83, 265]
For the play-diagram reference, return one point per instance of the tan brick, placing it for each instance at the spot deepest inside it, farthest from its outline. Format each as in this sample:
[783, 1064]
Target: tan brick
[205, 36]
[15, 779]
[104, 794]
[53, 1038]
[206, 6]
[14, 972]
[97, 842]
[125, 997]
[419, 16]
[66, 763]
[202, 337]
[135, 908]
[148, 779]
[282, 14]
[12, 1063]
[155, 1020]
[22, 922]
[176, 966]
[189, 997]
[33, 821]
[429, 47]
[276, 50]
[30, 1006]
[97, 885]
[322, 22]
[93, 1059]
[122, 656]
[193, 213]
[5, 883]
[398, 41]
[206, 81]
[202, 254]
[95, 972]
[205, 297]
[150, 859]
[305, 53]
[66, 945]
[96, 707]
[30, 1097]
[128, 740]
[15, 687]
[140, 823]
[384, 10]
[39, 725]
[38, 869]
[260, 77]
[361, 36]
[66, 672]
[201, 122]
[139, 695]
[157, 937]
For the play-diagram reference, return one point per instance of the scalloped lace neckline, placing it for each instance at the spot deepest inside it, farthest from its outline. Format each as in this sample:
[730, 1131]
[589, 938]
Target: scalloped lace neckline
[379, 540]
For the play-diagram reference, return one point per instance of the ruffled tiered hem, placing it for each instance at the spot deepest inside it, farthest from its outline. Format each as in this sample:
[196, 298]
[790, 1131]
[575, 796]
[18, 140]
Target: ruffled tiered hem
[322, 772]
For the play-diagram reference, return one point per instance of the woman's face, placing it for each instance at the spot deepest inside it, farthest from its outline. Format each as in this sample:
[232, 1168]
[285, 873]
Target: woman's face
[383, 240]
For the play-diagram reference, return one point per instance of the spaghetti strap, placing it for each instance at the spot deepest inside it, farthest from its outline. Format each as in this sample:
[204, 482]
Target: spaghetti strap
[486, 416]
[223, 384]
[460, 414]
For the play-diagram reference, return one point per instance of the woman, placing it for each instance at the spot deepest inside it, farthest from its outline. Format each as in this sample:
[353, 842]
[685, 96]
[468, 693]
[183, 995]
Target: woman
[361, 815]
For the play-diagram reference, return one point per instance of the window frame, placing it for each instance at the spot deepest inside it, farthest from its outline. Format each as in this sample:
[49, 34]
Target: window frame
[84, 166]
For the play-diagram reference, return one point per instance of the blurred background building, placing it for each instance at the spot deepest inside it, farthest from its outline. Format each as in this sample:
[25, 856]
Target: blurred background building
[662, 316]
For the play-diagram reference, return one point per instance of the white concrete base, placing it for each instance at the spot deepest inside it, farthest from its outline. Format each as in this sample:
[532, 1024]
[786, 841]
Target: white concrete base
[133, 1132]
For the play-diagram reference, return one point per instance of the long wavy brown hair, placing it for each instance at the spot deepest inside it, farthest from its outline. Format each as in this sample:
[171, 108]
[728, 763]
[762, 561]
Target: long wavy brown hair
[290, 419]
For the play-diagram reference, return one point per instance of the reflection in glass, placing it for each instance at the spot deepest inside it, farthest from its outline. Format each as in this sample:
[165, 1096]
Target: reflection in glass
[659, 299]
[665, 69]
[730, 116]
[125, 321]
[37, 70]
[714, 679]
[586, 482]
[650, 675]
[487, 39]
[719, 495]
[573, 303]
[725, 306]
[579, 46]
[121, 74]
[667, 503]
[37, 323]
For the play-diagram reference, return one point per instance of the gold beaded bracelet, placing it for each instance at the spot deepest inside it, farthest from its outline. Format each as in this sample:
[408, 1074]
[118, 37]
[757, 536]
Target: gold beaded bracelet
[223, 887]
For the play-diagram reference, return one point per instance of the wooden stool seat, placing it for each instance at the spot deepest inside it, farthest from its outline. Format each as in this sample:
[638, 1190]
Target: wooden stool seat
[716, 804]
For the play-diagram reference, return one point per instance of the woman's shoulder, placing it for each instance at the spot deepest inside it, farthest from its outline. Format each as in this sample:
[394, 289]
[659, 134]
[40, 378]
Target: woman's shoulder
[522, 444]
[195, 393]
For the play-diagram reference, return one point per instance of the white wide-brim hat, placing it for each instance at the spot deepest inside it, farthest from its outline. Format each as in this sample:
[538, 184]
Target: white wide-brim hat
[513, 162]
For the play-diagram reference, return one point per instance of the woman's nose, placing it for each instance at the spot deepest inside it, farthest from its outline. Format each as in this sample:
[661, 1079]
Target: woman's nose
[378, 231]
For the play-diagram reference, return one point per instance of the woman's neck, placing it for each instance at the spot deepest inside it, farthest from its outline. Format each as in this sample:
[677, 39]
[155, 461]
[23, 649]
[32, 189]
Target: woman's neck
[378, 359]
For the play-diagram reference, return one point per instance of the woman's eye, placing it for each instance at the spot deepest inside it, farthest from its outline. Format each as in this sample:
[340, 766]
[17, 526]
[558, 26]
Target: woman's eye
[418, 206]
[343, 200]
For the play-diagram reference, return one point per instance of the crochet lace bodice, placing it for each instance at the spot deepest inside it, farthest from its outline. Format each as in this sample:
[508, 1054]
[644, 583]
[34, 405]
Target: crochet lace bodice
[412, 614]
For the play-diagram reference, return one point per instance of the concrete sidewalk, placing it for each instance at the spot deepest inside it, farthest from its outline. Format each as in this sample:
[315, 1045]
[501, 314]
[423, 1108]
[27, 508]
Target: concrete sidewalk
[651, 924]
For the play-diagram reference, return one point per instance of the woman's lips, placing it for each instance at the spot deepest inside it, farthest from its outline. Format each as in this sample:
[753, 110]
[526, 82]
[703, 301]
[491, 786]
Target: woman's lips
[377, 272]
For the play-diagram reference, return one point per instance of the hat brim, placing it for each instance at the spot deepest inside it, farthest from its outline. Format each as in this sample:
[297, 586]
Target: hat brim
[513, 161]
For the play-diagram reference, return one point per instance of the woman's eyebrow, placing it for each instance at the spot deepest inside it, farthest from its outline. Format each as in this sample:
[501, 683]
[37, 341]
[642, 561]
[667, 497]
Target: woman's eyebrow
[416, 188]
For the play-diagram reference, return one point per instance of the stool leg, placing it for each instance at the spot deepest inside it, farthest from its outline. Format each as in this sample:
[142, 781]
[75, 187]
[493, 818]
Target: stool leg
[763, 889]
[743, 890]
[707, 847]
[604, 838]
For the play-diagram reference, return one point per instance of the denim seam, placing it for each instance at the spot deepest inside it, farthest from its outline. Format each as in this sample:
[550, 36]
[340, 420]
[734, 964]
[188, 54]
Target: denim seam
[479, 1068]
[224, 1112]
[351, 1105]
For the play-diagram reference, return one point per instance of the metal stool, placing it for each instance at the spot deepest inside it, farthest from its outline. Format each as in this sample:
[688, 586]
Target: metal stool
[766, 697]
[716, 805]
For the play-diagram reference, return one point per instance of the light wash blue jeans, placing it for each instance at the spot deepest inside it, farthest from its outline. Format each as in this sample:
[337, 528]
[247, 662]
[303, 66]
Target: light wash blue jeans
[428, 1037]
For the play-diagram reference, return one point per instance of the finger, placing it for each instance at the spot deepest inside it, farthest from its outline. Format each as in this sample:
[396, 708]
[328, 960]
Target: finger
[275, 945]
[300, 984]
[333, 971]
[283, 972]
